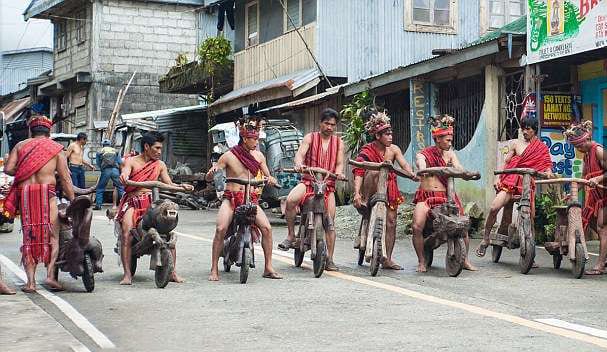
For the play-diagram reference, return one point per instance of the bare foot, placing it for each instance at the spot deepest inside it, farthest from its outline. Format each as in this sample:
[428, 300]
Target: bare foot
[469, 266]
[29, 289]
[5, 290]
[421, 268]
[214, 276]
[176, 278]
[391, 265]
[54, 285]
[126, 280]
[271, 275]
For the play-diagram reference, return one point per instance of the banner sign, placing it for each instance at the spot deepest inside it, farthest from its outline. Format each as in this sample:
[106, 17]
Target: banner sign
[557, 111]
[557, 28]
[420, 107]
[566, 161]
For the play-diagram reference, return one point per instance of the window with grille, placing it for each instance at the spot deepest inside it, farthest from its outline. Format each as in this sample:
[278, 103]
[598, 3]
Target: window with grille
[463, 99]
[252, 25]
[431, 16]
[502, 12]
[80, 116]
[293, 14]
[81, 27]
[60, 35]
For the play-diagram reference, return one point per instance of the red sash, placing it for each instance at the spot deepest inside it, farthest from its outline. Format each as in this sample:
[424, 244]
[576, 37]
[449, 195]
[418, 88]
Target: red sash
[370, 153]
[149, 172]
[36, 223]
[326, 159]
[595, 198]
[246, 159]
[30, 159]
[536, 156]
[434, 158]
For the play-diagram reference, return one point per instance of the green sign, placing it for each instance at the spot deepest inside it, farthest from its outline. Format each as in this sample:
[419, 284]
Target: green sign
[557, 28]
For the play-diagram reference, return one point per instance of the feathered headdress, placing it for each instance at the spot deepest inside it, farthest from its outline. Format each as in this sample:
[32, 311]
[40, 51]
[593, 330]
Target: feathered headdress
[441, 125]
[249, 127]
[578, 133]
[378, 122]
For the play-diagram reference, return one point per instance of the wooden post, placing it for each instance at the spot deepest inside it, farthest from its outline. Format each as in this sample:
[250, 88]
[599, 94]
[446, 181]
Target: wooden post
[112, 121]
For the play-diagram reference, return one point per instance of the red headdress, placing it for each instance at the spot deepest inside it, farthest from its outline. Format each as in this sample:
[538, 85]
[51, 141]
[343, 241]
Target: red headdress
[578, 134]
[378, 122]
[41, 121]
[441, 125]
[249, 128]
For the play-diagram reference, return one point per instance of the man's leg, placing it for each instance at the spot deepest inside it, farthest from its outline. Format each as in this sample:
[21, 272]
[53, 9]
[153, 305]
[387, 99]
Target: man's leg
[501, 199]
[368, 188]
[330, 235]
[103, 179]
[115, 176]
[224, 218]
[420, 214]
[293, 200]
[262, 222]
[30, 272]
[51, 280]
[125, 247]
[74, 170]
[467, 264]
[390, 240]
[599, 267]
[4, 289]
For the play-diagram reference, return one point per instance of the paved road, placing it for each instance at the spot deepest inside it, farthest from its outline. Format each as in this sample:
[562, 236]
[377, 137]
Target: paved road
[495, 309]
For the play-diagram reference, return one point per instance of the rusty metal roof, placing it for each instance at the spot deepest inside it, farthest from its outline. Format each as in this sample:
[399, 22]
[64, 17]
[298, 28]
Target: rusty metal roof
[13, 109]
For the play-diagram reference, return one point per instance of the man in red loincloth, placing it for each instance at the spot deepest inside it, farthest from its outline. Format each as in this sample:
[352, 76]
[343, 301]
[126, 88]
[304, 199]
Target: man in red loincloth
[318, 149]
[594, 171]
[527, 153]
[135, 202]
[243, 161]
[432, 190]
[33, 163]
[366, 181]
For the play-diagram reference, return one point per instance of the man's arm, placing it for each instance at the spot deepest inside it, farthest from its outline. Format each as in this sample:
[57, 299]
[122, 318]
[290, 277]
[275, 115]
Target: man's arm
[303, 149]
[511, 151]
[164, 175]
[87, 163]
[600, 154]
[455, 161]
[98, 160]
[126, 171]
[400, 159]
[339, 163]
[357, 199]
[266, 171]
[64, 176]
[10, 168]
[420, 161]
[221, 164]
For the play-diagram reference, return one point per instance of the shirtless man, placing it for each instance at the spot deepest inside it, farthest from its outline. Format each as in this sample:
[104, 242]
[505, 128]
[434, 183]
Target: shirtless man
[75, 158]
[528, 153]
[595, 164]
[136, 201]
[242, 161]
[318, 149]
[432, 190]
[33, 163]
[365, 181]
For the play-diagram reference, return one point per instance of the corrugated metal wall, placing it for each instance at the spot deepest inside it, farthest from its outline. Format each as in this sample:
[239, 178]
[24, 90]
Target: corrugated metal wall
[17, 68]
[360, 38]
[187, 138]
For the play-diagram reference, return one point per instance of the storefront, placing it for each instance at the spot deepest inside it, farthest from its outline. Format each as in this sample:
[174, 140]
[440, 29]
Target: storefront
[567, 44]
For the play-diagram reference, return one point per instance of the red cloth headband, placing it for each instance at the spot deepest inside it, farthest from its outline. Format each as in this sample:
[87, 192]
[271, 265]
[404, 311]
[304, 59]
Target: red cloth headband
[438, 132]
[579, 139]
[41, 121]
[247, 133]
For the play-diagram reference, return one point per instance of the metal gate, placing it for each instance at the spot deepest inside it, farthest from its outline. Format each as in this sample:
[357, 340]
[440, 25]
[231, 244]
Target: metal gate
[463, 99]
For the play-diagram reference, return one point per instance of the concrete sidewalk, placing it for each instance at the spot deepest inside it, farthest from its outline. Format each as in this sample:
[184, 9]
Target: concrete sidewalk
[26, 327]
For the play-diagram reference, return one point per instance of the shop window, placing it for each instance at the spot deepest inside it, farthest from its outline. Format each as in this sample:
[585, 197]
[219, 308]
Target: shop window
[81, 27]
[463, 99]
[60, 35]
[294, 12]
[502, 12]
[438, 16]
[252, 23]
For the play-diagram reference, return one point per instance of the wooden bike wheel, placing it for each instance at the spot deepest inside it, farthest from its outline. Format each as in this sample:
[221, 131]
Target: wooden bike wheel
[454, 262]
[496, 253]
[319, 261]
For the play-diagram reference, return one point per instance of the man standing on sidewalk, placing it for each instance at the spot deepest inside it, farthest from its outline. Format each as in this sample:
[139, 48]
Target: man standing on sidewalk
[35, 164]
[76, 162]
[108, 161]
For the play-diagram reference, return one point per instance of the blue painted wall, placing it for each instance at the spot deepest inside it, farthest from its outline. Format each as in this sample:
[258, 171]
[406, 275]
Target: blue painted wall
[592, 94]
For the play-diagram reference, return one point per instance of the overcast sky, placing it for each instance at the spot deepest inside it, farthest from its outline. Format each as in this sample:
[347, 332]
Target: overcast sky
[15, 33]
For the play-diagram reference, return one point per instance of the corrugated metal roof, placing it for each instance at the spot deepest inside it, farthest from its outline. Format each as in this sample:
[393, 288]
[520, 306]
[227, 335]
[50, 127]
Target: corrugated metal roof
[517, 27]
[276, 88]
[13, 109]
[317, 98]
[158, 113]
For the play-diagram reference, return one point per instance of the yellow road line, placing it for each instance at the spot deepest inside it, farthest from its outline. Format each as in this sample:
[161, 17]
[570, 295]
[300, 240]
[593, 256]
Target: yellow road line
[445, 302]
